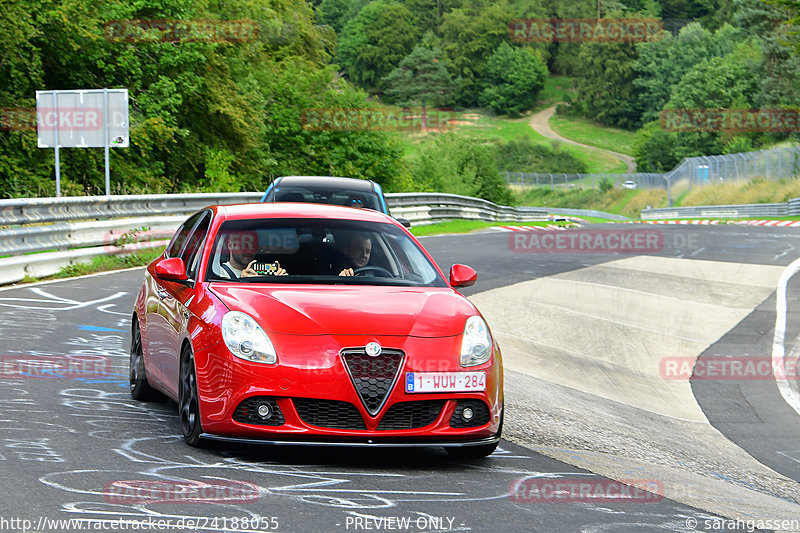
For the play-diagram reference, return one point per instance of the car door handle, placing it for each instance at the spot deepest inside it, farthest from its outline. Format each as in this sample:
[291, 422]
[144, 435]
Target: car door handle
[162, 293]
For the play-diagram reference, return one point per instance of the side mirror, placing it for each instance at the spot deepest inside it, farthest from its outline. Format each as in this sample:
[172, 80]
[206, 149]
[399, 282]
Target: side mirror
[462, 276]
[171, 269]
[404, 221]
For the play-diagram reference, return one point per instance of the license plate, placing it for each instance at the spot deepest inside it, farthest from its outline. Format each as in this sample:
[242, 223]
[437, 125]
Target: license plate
[445, 381]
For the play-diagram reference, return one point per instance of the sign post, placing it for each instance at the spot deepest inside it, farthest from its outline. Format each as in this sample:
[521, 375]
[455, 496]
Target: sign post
[90, 118]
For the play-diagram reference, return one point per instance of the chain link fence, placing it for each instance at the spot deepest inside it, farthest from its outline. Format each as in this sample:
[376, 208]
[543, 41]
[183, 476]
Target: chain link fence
[641, 180]
[773, 164]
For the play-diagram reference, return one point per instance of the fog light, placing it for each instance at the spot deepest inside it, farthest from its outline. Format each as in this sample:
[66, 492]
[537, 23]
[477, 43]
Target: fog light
[467, 413]
[264, 410]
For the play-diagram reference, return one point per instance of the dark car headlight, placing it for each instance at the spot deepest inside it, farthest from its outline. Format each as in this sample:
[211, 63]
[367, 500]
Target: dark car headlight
[476, 344]
[246, 340]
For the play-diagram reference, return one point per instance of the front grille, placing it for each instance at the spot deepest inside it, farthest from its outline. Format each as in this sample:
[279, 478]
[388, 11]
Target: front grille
[480, 417]
[328, 413]
[373, 377]
[247, 414]
[411, 415]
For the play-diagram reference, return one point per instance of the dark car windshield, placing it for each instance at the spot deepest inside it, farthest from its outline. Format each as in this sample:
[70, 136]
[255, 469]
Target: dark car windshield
[319, 251]
[324, 195]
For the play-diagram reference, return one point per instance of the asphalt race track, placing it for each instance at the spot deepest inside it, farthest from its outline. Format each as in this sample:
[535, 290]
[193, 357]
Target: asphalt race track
[68, 441]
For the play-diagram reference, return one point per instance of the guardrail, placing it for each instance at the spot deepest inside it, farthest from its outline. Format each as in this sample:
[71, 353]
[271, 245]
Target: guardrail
[44, 210]
[65, 231]
[787, 209]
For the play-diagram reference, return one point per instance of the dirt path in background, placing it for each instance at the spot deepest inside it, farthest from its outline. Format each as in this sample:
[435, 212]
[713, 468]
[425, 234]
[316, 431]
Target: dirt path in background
[540, 122]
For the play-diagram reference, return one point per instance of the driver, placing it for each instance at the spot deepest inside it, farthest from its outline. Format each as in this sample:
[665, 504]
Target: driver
[357, 253]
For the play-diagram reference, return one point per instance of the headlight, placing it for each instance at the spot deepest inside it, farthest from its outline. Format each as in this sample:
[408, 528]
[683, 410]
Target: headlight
[476, 346]
[245, 338]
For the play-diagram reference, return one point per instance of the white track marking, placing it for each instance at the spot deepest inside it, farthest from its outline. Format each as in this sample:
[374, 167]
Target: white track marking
[778, 349]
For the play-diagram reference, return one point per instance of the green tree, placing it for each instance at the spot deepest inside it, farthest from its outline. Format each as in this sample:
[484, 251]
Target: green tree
[428, 13]
[460, 165]
[421, 78]
[514, 76]
[296, 86]
[779, 71]
[605, 90]
[205, 114]
[375, 41]
[337, 13]
[729, 82]
[655, 150]
[661, 63]
[469, 36]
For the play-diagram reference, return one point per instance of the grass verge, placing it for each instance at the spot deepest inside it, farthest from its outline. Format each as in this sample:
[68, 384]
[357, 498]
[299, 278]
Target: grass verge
[466, 226]
[585, 131]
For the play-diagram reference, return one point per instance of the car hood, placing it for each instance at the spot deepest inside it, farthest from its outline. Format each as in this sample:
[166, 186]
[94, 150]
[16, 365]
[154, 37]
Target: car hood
[350, 310]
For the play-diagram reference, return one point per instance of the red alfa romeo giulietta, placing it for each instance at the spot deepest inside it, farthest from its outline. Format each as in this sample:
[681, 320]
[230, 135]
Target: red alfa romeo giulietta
[314, 324]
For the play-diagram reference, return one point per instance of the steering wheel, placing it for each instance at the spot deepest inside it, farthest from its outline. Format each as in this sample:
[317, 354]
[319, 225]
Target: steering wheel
[373, 268]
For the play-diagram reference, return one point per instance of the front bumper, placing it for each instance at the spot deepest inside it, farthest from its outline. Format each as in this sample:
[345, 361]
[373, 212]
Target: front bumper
[368, 443]
[312, 369]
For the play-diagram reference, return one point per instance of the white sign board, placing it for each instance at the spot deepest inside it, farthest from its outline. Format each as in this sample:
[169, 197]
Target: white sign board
[92, 118]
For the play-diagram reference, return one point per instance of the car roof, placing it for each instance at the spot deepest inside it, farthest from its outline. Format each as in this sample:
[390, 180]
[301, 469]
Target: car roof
[300, 210]
[329, 182]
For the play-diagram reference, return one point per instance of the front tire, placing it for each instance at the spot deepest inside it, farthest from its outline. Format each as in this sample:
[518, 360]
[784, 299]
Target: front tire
[188, 403]
[140, 388]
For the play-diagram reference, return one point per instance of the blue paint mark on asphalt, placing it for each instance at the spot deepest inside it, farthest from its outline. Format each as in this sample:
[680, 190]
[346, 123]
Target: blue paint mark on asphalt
[98, 328]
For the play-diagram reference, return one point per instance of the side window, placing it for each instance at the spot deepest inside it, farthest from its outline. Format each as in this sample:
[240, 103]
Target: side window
[180, 236]
[194, 245]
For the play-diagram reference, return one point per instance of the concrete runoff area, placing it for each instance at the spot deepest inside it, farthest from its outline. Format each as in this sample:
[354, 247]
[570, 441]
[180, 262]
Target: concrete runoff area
[583, 352]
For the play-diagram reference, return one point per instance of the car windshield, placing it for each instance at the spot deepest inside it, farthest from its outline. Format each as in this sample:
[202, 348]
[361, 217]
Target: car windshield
[319, 251]
[322, 195]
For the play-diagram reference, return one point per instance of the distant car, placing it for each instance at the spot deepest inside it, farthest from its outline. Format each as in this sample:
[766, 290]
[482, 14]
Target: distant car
[293, 348]
[348, 192]
[629, 185]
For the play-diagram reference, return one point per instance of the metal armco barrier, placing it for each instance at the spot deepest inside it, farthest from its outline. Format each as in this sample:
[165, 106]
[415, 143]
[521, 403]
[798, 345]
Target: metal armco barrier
[43, 210]
[788, 209]
[75, 229]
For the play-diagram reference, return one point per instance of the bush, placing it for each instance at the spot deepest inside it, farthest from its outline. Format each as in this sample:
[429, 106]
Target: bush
[460, 165]
[523, 155]
[514, 76]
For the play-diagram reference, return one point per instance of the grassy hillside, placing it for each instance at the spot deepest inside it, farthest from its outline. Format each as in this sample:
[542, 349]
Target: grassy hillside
[624, 202]
[587, 132]
[478, 125]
